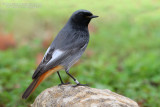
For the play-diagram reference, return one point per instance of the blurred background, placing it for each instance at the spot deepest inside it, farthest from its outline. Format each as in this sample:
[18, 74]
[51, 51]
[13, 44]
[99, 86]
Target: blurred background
[123, 53]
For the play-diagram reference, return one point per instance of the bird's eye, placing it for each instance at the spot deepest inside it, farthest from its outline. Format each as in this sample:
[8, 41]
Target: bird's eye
[88, 14]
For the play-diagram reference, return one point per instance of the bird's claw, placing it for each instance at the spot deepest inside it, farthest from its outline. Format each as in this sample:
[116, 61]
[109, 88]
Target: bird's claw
[80, 85]
[64, 83]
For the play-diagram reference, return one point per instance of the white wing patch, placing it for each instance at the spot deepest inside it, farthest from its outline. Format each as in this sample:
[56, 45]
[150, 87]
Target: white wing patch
[46, 53]
[55, 55]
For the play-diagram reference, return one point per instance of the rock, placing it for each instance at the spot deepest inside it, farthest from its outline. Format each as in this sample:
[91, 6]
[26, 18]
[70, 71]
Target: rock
[81, 96]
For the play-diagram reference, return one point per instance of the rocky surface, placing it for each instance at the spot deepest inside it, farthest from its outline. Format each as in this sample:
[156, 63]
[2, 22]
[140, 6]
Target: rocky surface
[81, 96]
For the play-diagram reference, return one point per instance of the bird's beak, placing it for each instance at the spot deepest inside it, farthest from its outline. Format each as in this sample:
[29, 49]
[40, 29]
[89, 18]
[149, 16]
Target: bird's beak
[93, 16]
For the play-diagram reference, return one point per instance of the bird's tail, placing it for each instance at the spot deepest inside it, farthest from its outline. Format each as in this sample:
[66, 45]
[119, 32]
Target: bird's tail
[35, 83]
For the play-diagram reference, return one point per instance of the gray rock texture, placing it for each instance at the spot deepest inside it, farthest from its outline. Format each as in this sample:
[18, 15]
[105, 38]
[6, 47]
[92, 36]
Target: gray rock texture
[81, 96]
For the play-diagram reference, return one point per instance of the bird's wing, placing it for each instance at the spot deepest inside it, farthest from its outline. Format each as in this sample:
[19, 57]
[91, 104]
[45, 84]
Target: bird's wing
[47, 57]
[55, 56]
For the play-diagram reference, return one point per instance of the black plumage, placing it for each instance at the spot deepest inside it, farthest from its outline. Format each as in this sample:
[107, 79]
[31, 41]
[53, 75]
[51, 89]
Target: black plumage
[68, 45]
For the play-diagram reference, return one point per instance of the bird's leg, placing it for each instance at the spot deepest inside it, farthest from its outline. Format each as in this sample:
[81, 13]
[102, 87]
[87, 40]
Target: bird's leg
[76, 81]
[60, 77]
[62, 83]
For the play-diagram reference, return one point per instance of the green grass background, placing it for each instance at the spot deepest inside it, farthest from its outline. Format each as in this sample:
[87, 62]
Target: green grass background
[123, 53]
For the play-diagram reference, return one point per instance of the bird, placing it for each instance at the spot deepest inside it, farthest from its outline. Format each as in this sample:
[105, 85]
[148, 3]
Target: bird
[65, 50]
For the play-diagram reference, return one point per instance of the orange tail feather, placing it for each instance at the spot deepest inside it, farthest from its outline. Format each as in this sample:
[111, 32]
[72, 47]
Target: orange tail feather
[37, 81]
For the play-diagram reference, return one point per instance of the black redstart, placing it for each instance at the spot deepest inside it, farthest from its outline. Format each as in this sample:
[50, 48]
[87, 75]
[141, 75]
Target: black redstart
[65, 50]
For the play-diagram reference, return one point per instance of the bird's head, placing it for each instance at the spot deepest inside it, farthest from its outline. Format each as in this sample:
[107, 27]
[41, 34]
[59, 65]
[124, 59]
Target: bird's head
[82, 17]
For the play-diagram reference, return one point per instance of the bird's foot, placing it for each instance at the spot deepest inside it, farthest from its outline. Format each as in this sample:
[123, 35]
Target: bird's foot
[64, 83]
[80, 85]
